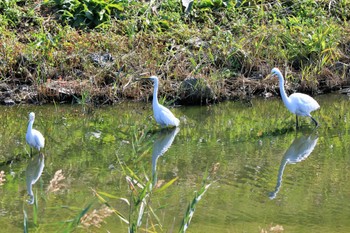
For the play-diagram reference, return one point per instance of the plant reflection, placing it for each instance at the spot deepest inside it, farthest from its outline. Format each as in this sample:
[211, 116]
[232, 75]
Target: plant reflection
[141, 192]
[33, 173]
[160, 146]
[299, 150]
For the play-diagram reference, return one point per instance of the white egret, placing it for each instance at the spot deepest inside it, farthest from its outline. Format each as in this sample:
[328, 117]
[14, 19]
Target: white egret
[297, 103]
[162, 115]
[34, 137]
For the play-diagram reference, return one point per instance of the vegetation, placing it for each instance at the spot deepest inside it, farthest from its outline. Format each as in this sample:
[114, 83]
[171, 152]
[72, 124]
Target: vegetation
[96, 48]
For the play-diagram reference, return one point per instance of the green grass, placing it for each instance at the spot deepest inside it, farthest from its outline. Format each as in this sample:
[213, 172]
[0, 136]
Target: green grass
[215, 40]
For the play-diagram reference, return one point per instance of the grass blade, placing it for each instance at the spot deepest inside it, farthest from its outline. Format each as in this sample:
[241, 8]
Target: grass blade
[25, 222]
[120, 215]
[191, 207]
[166, 185]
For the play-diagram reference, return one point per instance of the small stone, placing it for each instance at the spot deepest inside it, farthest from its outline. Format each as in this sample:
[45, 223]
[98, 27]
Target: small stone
[101, 59]
[9, 101]
[4, 87]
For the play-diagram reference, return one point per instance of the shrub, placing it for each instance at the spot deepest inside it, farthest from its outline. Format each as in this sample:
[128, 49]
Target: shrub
[87, 13]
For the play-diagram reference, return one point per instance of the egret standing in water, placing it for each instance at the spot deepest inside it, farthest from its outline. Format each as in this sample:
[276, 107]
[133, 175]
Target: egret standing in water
[297, 103]
[34, 137]
[162, 115]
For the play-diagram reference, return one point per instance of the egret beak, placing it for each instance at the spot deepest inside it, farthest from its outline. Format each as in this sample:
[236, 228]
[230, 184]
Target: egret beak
[269, 76]
[140, 79]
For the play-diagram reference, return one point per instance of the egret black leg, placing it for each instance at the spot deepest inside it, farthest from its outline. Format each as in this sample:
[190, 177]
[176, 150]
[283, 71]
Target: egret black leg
[31, 151]
[316, 123]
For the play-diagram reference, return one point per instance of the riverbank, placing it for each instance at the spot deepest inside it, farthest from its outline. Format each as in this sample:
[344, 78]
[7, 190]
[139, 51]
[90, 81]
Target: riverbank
[204, 52]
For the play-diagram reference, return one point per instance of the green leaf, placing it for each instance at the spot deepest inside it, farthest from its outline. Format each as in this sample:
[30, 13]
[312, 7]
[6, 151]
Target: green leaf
[108, 195]
[166, 185]
[119, 6]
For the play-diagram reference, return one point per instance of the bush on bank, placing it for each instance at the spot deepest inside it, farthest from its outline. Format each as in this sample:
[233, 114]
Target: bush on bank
[93, 49]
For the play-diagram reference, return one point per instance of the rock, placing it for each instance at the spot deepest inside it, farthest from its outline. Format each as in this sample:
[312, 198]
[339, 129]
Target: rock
[9, 101]
[196, 91]
[345, 91]
[4, 87]
[341, 66]
[101, 59]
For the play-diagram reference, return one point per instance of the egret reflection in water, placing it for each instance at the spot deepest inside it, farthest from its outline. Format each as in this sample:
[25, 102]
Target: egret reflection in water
[33, 173]
[160, 146]
[299, 150]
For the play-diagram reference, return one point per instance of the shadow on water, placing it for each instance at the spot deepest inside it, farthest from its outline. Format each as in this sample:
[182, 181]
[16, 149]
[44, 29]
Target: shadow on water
[298, 151]
[33, 173]
[163, 142]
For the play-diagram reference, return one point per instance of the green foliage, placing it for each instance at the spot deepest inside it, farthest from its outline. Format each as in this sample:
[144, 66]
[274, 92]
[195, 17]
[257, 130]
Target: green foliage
[88, 13]
[216, 40]
[192, 205]
[73, 223]
[10, 13]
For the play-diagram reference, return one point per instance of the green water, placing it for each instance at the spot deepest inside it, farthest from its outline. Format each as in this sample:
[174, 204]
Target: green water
[261, 171]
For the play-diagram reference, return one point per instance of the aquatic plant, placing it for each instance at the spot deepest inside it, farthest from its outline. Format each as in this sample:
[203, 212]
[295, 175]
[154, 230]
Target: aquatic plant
[96, 217]
[198, 196]
[191, 208]
[56, 184]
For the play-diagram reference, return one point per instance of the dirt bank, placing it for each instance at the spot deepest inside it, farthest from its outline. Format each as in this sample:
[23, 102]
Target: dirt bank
[189, 91]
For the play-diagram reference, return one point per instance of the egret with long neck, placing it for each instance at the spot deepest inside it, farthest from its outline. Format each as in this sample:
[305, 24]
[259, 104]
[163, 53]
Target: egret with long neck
[298, 103]
[33, 137]
[162, 115]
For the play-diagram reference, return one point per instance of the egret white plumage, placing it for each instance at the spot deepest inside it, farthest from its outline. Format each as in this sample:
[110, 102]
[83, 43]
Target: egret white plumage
[162, 115]
[33, 137]
[297, 103]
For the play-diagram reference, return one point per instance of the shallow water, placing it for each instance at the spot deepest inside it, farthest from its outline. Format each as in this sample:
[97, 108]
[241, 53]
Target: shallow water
[261, 172]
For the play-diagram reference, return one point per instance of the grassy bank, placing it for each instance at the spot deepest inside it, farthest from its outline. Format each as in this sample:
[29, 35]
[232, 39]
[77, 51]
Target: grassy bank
[91, 51]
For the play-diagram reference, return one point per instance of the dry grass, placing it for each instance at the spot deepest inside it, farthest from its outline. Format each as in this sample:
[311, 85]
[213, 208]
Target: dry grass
[2, 178]
[56, 184]
[96, 217]
[273, 229]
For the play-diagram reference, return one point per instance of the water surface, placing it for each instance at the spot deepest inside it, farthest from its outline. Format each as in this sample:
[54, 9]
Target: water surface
[261, 172]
